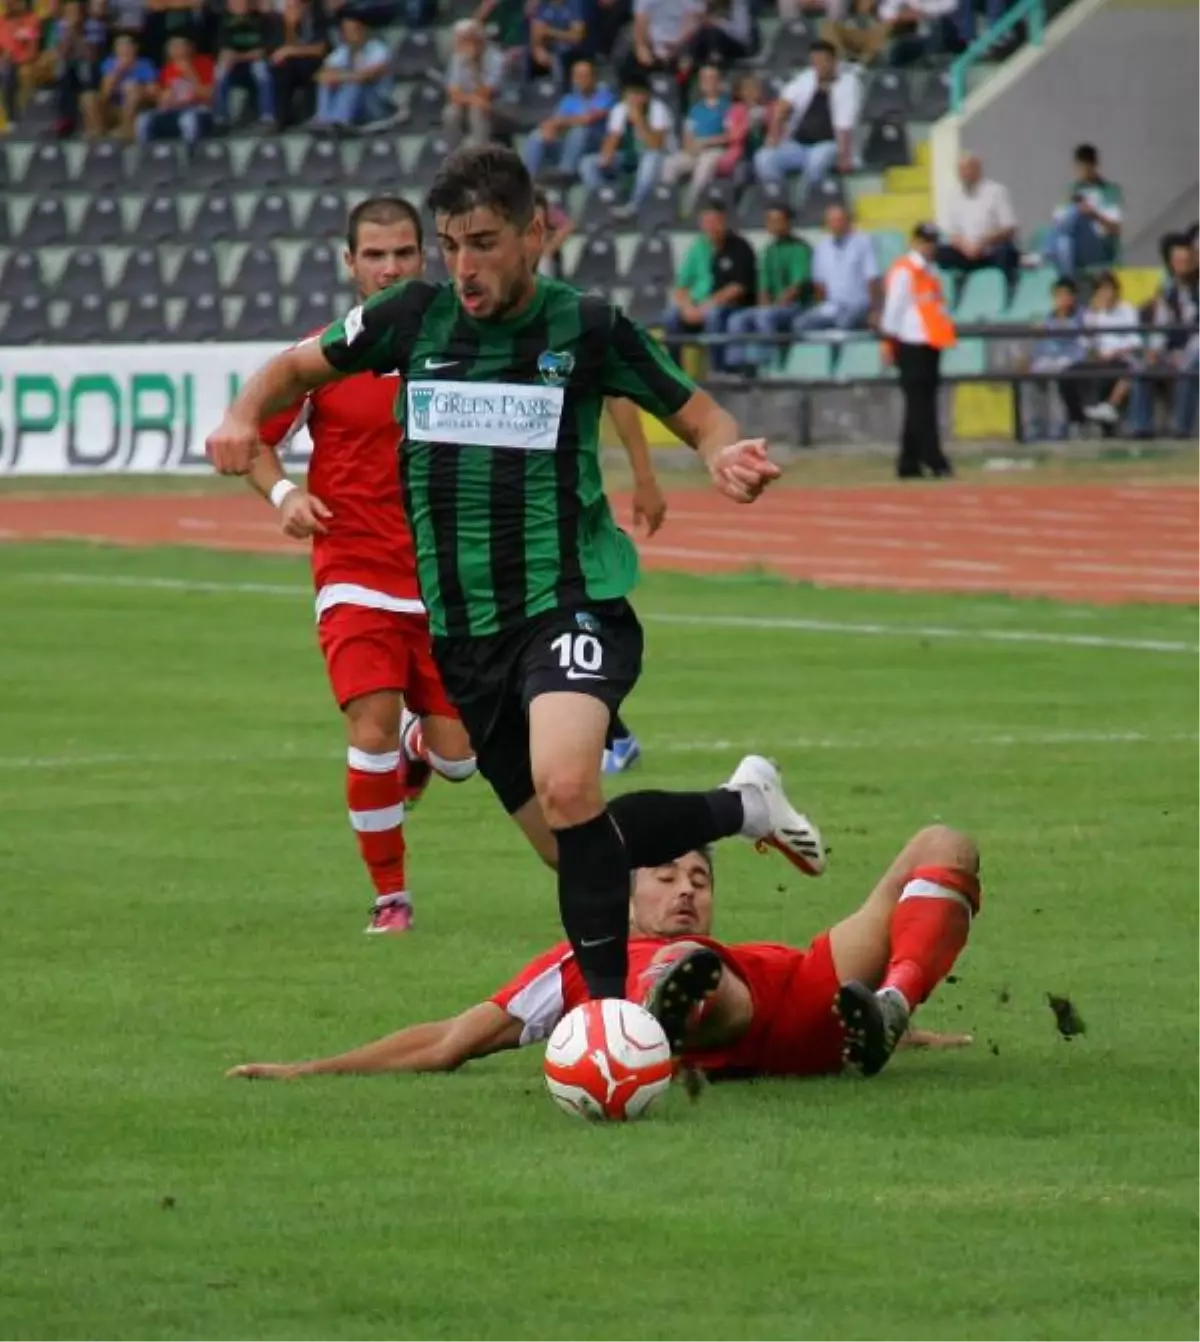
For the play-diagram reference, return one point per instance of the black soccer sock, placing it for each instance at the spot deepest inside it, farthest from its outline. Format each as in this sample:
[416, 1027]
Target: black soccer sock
[617, 730]
[659, 827]
[593, 902]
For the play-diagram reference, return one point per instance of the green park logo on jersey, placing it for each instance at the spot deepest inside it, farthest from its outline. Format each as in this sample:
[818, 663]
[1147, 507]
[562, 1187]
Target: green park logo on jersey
[555, 367]
[484, 414]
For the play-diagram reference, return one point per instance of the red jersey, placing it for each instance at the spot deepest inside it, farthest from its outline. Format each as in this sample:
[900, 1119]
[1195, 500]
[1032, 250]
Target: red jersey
[794, 1031]
[367, 557]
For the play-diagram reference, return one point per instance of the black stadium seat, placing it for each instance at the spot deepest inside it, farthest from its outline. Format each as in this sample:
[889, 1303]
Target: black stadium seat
[886, 145]
[258, 270]
[887, 95]
[201, 319]
[379, 169]
[597, 265]
[210, 168]
[87, 319]
[158, 167]
[197, 274]
[318, 268]
[21, 277]
[83, 273]
[259, 319]
[46, 169]
[103, 167]
[266, 166]
[103, 222]
[653, 261]
[46, 224]
[141, 274]
[159, 221]
[318, 307]
[326, 216]
[146, 320]
[27, 322]
[322, 166]
[215, 221]
[272, 218]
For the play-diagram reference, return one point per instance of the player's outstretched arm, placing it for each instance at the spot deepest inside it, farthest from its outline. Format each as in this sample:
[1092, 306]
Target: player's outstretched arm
[649, 504]
[435, 1046]
[739, 467]
[281, 381]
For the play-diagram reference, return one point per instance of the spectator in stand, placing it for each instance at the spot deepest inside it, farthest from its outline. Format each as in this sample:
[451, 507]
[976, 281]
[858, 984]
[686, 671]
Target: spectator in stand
[557, 227]
[1087, 230]
[295, 62]
[705, 138]
[1113, 343]
[636, 142]
[24, 66]
[474, 82]
[812, 123]
[1177, 303]
[662, 31]
[1062, 347]
[784, 286]
[717, 278]
[847, 290]
[242, 61]
[175, 18]
[129, 16]
[80, 39]
[128, 85]
[723, 34]
[859, 35]
[575, 129]
[557, 34]
[184, 96]
[979, 224]
[919, 29]
[354, 86]
[746, 127]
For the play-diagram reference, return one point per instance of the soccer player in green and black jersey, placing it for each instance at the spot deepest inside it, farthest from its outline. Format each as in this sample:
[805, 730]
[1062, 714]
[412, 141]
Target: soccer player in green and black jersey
[523, 570]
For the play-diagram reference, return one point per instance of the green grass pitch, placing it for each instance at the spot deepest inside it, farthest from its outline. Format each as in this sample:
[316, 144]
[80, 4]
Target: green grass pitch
[181, 892]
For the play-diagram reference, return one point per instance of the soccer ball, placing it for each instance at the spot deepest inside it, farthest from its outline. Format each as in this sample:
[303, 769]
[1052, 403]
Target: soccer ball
[607, 1061]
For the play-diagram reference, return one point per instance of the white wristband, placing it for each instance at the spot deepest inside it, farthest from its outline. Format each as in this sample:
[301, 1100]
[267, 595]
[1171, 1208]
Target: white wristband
[280, 490]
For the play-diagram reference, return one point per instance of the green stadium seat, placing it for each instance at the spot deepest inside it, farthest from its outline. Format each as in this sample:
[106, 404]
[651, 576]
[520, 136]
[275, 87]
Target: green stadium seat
[810, 361]
[860, 360]
[1031, 301]
[984, 297]
[889, 245]
[967, 358]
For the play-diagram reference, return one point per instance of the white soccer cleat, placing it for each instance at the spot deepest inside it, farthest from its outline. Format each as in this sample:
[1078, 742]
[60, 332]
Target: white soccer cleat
[785, 828]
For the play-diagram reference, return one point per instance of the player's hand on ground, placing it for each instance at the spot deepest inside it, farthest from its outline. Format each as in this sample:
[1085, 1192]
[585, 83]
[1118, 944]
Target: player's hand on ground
[303, 515]
[743, 470]
[649, 506]
[933, 1039]
[264, 1071]
[233, 446]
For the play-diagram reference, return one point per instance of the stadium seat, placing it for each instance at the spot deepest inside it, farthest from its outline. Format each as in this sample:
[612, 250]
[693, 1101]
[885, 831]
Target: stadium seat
[933, 101]
[887, 96]
[317, 308]
[103, 221]
[425, 103]
[538, 101]
[272, 218]
[967, 358]
[326, 216]
[159, 221]
[46, 169]
[27, 321]
[198, 273]
[860, 359]
[318, 267]
[812, 213]
[21, 277]
[1031, 299]
[258, 270]
[322, 166]
[596, 268]
[432, 155]
[158, 167]
[215, 221]
[259, 319]
[415, 55]
[886, 145]
[661, 210]
[267, 165]
[146, 320]
[380, 168]
[7, 178]
[141, 274]
[984, 297]
[789, 50]
[807, 360]
[753, 204]
[653, 262]
[200, 319]
[5, 230]
[890, 244]
[83, 273]
[209, 168]
[103, 167]
[647, 303]
[46, 223]
[87, 319]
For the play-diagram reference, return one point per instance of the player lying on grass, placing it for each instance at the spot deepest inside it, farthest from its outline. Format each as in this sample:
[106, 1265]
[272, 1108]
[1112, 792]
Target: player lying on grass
[756, 1009]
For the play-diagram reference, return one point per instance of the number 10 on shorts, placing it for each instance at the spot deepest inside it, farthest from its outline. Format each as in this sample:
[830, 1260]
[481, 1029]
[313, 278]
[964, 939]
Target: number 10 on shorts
[579, 655]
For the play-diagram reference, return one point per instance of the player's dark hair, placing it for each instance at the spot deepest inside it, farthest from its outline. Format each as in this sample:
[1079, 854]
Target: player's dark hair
[485, 177]
[1087, 153]
[382, 210]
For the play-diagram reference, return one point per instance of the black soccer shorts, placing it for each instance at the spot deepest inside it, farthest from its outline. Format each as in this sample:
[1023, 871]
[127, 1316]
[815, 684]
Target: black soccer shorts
[595, 649]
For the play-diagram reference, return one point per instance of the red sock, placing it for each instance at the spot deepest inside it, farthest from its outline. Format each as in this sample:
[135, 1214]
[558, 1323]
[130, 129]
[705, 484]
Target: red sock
[929, 929]
[377, 816]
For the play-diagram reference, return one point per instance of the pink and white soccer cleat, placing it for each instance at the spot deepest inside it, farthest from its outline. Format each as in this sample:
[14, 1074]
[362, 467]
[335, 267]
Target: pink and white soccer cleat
[391, 916]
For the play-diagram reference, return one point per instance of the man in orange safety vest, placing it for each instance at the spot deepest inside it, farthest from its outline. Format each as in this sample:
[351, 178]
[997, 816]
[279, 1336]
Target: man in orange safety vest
[916, 328]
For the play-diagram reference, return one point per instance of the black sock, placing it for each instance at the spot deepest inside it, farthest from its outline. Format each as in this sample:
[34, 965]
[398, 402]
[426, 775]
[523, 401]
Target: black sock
[593, 902]
[617, 729]
[658, 827]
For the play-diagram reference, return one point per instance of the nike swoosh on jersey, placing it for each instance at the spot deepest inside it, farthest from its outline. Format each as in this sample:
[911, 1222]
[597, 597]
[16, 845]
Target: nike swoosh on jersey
[573, 674]
[431, 365]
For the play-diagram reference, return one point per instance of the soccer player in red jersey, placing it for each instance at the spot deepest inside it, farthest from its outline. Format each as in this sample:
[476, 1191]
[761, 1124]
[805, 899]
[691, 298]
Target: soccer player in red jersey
[371, 623]
[770, 1010]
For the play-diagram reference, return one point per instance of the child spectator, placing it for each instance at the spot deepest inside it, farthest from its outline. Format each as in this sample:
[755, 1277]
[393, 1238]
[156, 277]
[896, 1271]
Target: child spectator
[242, 60]
[184, 97]
[1112, 348]
[1062, 347]
[128, 85]
[23, 64]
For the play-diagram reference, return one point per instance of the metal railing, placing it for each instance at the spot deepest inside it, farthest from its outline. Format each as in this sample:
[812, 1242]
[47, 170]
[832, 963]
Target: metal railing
[1030, 12]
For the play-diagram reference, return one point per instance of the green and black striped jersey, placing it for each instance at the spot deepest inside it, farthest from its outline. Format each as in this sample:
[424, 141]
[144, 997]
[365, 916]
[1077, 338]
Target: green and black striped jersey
[500, 464]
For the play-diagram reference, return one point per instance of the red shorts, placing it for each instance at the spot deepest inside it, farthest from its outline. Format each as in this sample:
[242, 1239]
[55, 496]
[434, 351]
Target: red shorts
[368, 650]
[795, 1031]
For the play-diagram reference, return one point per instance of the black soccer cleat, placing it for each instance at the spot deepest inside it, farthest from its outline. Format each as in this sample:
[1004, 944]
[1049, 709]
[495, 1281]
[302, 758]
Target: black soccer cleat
[683, 985]
[873, 1023]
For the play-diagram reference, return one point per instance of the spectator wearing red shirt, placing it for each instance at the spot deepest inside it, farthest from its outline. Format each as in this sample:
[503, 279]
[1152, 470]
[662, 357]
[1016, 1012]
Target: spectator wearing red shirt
[21, 65]
[185, 97]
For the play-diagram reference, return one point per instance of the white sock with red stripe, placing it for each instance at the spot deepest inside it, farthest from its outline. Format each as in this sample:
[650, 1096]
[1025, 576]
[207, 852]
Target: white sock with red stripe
[373, 794]
[412, 743]
[929, 929]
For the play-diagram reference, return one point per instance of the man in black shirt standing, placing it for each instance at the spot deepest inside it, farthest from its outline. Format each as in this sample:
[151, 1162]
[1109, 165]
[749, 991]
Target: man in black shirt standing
[242, 60]
[718, 276]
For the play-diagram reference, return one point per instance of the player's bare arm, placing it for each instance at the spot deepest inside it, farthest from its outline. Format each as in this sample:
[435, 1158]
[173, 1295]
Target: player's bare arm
[301, 514]
[649, 503]
[739, 467]
[281, 381]
[433, 1046]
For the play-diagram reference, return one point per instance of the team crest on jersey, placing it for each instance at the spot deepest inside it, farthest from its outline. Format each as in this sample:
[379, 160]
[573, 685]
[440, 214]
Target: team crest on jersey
[555, 367]
[586, 621]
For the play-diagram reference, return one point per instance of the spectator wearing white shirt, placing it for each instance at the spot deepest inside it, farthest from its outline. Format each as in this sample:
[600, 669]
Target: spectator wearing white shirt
[812, 123]
[979, 225]
[662, 32]
[1113, 342]
[636, 142]
[920, 28]
[474, 81]
[846, 284]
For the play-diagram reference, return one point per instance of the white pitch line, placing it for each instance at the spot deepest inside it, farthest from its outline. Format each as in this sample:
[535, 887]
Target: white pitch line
[954, 633]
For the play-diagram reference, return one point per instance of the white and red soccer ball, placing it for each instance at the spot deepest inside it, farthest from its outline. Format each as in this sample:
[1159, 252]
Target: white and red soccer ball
[608, 1061]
